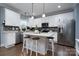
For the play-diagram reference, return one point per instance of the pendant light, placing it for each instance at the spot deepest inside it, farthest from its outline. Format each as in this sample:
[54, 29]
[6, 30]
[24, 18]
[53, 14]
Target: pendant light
[32, 17]
[25, 16]
[43, 15]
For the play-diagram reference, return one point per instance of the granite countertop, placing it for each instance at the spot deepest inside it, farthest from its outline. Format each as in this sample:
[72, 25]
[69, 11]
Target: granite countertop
[10, 31]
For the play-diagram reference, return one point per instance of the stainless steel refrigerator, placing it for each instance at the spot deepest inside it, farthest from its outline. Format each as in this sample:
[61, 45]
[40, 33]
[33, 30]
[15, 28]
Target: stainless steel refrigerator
[67, 37]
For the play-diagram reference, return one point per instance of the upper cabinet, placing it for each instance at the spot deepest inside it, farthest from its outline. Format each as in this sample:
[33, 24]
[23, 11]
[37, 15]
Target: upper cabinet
[60, 19]
[12, 18]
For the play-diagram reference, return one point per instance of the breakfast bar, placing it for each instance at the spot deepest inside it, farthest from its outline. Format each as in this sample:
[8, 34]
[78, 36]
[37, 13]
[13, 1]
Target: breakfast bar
[42, 43]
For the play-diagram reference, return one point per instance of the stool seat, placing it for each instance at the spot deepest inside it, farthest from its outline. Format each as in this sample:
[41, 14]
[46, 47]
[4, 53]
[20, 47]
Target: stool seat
[50, 37]
[35, 38]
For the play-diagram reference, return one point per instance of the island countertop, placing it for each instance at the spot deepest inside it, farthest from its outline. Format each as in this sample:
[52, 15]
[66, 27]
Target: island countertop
[42, 42]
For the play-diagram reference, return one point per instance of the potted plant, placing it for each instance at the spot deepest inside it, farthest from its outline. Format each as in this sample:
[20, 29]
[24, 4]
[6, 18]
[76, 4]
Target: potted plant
[23, 27]
[36, 29]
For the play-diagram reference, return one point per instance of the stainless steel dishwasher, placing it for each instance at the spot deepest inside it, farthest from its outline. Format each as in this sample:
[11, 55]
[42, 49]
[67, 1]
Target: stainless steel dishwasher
[19, 37]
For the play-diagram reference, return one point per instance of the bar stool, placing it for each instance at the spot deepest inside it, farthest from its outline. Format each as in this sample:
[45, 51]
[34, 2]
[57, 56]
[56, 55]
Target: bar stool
[36, 40]
[52, 38]
[25, 39]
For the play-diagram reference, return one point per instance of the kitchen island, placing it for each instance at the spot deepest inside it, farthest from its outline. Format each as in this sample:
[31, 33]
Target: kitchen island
[42, 45]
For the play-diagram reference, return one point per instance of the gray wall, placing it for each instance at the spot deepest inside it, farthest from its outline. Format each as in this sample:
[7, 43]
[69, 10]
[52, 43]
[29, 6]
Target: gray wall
[76, 14]
[2, 16]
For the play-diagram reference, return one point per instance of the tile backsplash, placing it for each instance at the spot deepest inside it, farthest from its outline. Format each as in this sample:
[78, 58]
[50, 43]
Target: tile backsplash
[10, 28]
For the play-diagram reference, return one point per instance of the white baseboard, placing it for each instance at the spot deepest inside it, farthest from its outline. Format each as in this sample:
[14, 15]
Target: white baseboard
[2, 45]
[9, 46]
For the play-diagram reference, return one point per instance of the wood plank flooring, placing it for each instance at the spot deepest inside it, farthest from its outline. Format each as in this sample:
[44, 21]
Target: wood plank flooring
[16, 51]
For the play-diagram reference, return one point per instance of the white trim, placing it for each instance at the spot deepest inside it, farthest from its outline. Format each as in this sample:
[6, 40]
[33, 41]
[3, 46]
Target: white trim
[2, 45]
[9, 46]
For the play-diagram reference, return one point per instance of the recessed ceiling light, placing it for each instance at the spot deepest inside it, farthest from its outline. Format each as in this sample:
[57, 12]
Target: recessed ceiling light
[59, 6]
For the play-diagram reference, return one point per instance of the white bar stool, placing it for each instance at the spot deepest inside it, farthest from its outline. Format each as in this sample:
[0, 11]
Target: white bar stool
[36, 40]
[25, 39]
[52, 40]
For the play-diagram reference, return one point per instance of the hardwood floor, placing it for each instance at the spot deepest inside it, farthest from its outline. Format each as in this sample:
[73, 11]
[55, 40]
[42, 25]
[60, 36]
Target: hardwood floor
[16, 51]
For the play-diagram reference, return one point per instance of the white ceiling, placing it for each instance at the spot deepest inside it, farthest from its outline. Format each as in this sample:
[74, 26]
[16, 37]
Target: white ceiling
[38, 7]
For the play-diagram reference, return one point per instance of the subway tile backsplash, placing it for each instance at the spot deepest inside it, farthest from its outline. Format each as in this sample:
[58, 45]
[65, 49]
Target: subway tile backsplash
[10, 28]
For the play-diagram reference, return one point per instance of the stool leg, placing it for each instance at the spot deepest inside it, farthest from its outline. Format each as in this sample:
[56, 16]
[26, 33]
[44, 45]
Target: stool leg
[27, 46]
[23, 45]
[52, 47]
[77, 54]
[31, 48]
[36, 49]
[24, 42]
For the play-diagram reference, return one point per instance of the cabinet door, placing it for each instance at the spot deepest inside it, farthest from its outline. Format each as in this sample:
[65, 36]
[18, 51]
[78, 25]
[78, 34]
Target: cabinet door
[12, 18]
[10, 38]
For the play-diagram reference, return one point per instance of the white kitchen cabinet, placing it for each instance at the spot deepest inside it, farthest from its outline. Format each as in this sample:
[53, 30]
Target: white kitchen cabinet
[9, 38]
[12, 18]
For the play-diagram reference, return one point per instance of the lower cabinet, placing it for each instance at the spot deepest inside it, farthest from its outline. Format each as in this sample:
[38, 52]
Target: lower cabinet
[8, 38]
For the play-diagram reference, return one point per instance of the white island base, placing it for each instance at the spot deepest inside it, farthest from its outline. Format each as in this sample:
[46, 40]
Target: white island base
[41, 45]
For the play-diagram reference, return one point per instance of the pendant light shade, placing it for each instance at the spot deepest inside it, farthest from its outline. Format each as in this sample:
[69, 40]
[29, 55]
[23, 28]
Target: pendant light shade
[25, 16]
[43, 15]
[32, 17]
